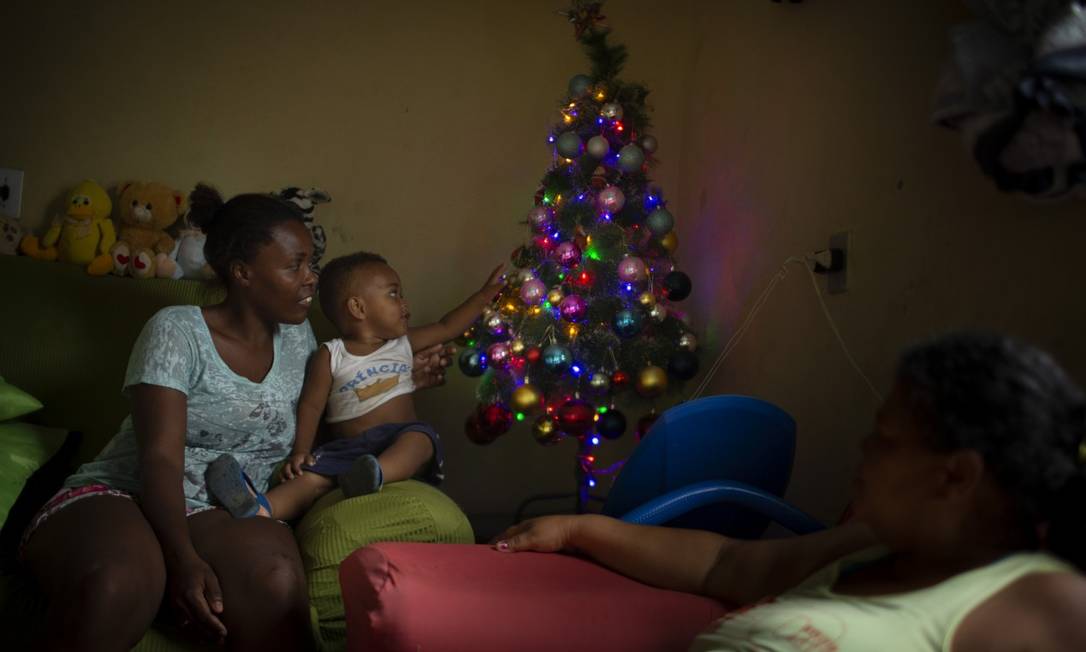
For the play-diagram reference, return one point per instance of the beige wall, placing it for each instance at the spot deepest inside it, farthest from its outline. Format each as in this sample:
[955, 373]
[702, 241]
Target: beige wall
[806, 119]
[778, 124]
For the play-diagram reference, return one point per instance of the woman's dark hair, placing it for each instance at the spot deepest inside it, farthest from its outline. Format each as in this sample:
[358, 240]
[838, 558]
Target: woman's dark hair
[1013, 404]
[238, 228]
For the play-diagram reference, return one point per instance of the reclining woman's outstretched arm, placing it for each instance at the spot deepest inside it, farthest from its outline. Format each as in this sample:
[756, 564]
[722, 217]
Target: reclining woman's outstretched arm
[734, 571]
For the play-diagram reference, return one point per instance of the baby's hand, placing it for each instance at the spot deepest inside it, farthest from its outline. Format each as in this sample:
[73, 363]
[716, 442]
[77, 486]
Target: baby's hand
[293, 467]
[497, 280]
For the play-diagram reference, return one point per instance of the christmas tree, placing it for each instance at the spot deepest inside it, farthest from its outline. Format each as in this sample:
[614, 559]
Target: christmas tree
[589, 312]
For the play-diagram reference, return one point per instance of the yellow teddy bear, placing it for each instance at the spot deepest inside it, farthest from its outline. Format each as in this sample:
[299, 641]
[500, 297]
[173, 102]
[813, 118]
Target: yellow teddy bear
[85, 234]
[144, 212]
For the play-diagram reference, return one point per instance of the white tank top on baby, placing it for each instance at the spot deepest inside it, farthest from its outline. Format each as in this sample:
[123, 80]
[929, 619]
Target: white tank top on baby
[361, 383]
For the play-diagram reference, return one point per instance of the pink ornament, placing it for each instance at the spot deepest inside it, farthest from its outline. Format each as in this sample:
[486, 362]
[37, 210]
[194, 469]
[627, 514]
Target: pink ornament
[498, 355]
[610, 200]
[533, 291]
[567, 254]
[632, 269]
[540, 218]
[573, 307]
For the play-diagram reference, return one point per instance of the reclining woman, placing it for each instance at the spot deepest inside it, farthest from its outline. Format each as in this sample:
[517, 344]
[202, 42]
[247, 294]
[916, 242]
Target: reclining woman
[133, 530]
[967, 529]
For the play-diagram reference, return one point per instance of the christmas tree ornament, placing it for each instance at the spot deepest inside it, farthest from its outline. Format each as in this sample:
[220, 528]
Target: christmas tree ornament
[620, 379]
[517, 347]
[567, 254]
[498, 355]
[647, 300]
[474, 431]
[573, 307]
[545, 432]
[557, 358]
[651, 381]
[568, 145]
[579, 85]
[649, 144]
[611, 111]
[683, 365]
[599, 383]
[677, 286]
[612, 424]
[554, 297]
[599, 178]
[670, 242]
[533, 291]
[496, 326]
[658, 313]
[610, 200]
[584, 279]
[541, 218]
[522, 276]
[628, 322]
[495, 420]
[597, 147]
[526, 398]
[630, 158]
[472, 362]
[660, 222]
[631, 269]
[533, 355]
[644, 424]
[575, 417]
[688, 342]
[466, 337]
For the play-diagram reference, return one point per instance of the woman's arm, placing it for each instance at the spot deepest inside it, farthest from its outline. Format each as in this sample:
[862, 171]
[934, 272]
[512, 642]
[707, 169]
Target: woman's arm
[159, 415]
[730, 570]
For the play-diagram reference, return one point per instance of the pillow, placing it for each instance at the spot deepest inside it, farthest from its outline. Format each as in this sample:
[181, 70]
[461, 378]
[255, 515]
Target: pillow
[23, 449]
[14, 402]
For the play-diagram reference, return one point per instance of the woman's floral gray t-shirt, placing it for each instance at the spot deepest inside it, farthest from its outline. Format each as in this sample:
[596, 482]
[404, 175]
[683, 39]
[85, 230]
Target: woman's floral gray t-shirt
[227, 413]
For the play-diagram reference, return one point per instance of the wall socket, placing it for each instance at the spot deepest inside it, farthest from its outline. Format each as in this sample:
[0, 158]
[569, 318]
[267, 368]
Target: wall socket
[837, 282]
[11, 192]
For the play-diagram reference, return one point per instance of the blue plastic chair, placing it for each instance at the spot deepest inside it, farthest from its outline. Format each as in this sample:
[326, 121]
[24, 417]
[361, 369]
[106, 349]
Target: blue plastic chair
[719, 463]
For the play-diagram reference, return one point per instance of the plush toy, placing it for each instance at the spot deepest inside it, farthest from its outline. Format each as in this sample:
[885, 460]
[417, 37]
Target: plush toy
[307, 200]
[83, 236]
[11, 233]
[189, 253]
[144, 212]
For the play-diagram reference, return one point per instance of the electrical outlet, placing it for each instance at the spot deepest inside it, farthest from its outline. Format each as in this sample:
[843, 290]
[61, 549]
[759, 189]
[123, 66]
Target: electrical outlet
[11, 192]
[837, 282]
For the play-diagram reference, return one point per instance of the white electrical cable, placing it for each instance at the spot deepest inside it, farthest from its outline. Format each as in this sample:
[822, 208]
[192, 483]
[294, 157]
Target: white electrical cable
[733, 342]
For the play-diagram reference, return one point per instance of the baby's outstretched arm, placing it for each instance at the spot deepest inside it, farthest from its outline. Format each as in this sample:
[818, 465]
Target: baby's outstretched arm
[459, 318]
[318, 382]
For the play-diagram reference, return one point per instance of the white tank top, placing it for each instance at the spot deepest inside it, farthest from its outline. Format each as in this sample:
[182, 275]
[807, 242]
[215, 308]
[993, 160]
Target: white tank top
[361, 383]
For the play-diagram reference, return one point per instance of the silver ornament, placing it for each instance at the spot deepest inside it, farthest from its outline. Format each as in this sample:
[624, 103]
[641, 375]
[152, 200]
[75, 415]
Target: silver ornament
[688, 342]
[569, 145]
[579, 85]
[649, 144]
[611, 111]
[630, 158]
[658, 313]
[598, 147]
[600, 382]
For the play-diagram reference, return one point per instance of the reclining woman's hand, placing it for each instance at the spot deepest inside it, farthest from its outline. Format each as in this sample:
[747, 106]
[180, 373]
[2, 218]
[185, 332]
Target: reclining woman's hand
[192, 589]
[544, 534]
[430, 365]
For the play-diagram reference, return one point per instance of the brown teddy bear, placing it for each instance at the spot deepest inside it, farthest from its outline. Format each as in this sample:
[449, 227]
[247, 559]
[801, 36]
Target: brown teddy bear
[145, 211]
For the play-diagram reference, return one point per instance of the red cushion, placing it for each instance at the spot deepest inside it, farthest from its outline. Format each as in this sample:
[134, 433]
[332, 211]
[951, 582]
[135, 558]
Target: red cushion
[426, 596]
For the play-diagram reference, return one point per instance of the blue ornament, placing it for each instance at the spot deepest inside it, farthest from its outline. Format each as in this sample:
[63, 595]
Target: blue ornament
[579, 85]
[630, 158]
[660, 222]
[472, 362]
[557, 358]
[628, 322]
[569, 145]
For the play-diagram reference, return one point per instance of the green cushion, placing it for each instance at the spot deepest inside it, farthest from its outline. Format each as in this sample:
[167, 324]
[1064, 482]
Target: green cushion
[14, 402]
[334, 528]
[23, 449]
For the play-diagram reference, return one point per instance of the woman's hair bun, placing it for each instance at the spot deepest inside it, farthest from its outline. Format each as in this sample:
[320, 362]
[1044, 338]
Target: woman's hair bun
[204, 205]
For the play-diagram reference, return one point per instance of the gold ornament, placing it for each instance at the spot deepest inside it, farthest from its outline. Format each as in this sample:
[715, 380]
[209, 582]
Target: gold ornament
[647, 299]
[545, 432]
[518, 346]
[600, 382]
[526, 398]
[658, 313]
[652, 381]
[688, 342]
[670, 242]
[555, 296]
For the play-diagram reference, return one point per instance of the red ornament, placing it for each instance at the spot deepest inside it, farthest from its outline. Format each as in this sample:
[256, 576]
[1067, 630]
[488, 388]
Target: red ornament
[495, 420]
[475, 433]
[620, 379]
[645, 423]
[576, 417]
[533, 354]
[585, 279]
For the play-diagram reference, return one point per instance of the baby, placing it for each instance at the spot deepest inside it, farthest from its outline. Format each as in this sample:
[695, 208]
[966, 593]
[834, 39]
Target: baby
[362, 383]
